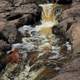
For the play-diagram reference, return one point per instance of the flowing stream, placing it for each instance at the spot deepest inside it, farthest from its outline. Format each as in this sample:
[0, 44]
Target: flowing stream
[40, 51]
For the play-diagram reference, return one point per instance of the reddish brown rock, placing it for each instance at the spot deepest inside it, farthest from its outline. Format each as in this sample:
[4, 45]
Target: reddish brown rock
[14, 57]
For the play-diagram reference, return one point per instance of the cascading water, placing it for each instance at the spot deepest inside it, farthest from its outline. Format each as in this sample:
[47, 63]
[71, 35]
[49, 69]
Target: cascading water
[40, 48]
[48, 19]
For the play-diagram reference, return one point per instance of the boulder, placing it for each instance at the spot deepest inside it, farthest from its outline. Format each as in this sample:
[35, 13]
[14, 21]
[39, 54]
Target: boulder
[70, 24]
[68, 76]
[71, 66]
[70, 16]
[4, 46]
[71, 12]
[9, 33]
[71, 71]
[16, 10]
[5, 6]
[74, 35]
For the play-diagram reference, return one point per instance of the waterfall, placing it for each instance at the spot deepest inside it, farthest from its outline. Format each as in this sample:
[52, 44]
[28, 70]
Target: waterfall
[48, 19]
[48, 12]
[39, 44]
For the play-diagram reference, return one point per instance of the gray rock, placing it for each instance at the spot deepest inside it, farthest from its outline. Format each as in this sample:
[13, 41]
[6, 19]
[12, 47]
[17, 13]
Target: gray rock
[10, 33]
[4, 46]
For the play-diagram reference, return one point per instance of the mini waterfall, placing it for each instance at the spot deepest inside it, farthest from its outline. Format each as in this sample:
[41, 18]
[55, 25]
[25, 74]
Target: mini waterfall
[48, 14]
[48, 19]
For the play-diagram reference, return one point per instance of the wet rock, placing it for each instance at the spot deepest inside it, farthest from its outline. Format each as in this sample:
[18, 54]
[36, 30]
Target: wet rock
[13, 16]
[4, 46]
[2, 66]
[70, 67]
[12, 11]
[31, 13]
[28, 19]
[25, 49]
[68, 76]
[13, 57]
[66, 23]
[10, 33]
[32, 57]
[9, 69]
[2, 55]
[71, 71]
[64, 2]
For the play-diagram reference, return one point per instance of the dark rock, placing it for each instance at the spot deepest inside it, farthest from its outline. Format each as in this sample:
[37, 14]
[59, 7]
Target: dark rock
[26, 10]
[10, 33]
[64, 1]
[2, 66]
[4, 46]
[21, 13]
[65, 24]
[31, 12]
[13, 16]
[13, 57]
[26, 20]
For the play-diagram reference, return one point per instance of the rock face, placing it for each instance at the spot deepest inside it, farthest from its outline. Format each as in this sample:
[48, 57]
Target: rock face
[4, 45]
[11, 10]
[70, 24]
[14, 14]
[71, 71]
[10, 33]
[74, 36]
[64, 2]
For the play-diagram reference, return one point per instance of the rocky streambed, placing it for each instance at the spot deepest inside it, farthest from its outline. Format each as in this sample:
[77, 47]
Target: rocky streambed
[35, 48]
